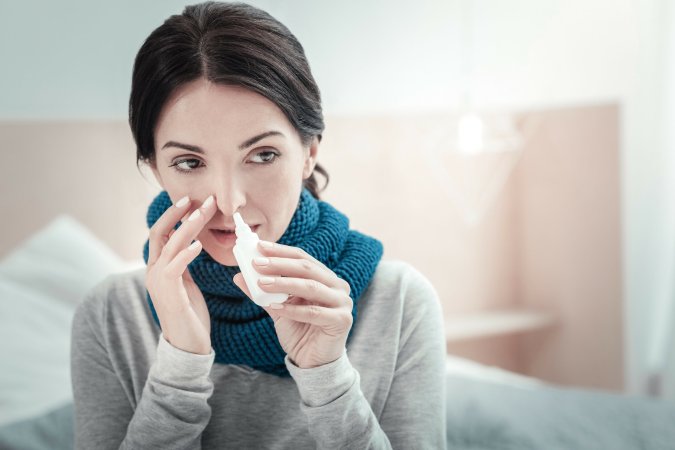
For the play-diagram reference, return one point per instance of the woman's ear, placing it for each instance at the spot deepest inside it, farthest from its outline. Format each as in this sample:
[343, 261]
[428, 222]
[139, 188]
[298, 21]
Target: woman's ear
[310, 158]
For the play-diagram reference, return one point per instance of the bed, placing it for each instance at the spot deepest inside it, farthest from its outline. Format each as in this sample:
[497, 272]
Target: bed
[44, 276]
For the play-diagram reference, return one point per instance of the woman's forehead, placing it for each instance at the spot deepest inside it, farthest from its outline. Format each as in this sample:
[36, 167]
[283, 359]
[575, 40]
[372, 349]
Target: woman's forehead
[219, 99]
[215, 108]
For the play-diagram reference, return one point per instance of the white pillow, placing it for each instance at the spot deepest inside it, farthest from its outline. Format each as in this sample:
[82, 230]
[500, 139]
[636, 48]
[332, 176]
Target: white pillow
[41, 283]
[456, 366]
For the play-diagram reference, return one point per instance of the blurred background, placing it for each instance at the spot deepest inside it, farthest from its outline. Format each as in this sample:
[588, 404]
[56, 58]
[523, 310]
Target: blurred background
[520, 154]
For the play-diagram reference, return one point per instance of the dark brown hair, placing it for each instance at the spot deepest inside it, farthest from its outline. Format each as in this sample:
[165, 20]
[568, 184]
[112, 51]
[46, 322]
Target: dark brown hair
[231, 44]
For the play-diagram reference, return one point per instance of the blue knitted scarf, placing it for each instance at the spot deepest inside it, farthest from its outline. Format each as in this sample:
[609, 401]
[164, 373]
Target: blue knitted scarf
[241, 331]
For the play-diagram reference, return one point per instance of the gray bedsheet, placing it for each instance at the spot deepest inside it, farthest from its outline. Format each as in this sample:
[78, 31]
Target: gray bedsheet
[484, 415]
[50, 431]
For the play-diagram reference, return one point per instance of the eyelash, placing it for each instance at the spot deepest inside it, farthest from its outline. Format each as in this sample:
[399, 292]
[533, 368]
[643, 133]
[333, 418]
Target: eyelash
[180, 161]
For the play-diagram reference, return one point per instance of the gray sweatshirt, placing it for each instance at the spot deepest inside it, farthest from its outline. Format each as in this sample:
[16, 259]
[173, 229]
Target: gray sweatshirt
[134, 390]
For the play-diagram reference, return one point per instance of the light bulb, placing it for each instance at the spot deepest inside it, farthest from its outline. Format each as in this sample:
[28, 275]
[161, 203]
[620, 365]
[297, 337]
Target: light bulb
[470, 134]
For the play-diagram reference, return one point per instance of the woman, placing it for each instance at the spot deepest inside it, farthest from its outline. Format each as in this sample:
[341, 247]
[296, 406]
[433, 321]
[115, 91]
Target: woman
[225, 111]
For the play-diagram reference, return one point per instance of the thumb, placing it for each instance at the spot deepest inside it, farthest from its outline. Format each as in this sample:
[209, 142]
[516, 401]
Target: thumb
[241, 284]
[187, 276]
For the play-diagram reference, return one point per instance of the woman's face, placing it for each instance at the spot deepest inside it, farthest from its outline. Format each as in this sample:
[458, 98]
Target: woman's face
[208, 142]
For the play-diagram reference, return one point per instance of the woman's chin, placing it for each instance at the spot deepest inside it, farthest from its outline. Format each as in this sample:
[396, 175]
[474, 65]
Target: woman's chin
[222, 256]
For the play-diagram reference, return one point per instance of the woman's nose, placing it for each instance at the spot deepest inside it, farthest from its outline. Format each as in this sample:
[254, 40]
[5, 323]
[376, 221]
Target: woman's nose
[230, 200]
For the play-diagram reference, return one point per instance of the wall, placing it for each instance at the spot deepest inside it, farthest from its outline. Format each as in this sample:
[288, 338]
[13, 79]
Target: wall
[73, 59]
[569, 250]
[370, 57]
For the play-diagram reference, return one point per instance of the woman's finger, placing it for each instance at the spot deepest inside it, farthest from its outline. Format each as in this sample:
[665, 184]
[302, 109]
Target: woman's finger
[178, 266]
[308, 289]
[288, 251]
[309, 264]
[188, 230]
[329, 319]
[296, 268]
[241, 283]
[161, 229]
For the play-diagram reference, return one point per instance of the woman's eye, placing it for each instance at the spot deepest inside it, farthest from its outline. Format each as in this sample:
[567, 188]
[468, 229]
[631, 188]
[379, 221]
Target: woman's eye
[269, 158]
[187, 167]
[191, 164]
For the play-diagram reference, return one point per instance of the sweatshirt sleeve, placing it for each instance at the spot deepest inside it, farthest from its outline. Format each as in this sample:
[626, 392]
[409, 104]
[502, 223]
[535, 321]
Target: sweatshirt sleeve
[415, 413]
[340, 416]
[338, 413]
[173, 409]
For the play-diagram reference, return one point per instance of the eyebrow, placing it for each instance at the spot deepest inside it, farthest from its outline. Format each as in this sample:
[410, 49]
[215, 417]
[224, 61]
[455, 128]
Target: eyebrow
[243, 146]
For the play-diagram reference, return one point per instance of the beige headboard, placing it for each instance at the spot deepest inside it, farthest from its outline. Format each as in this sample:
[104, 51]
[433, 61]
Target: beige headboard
[85, 169]
[555, 222]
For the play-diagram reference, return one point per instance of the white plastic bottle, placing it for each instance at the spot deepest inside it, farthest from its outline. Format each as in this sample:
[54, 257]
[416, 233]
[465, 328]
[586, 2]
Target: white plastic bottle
[245, 249]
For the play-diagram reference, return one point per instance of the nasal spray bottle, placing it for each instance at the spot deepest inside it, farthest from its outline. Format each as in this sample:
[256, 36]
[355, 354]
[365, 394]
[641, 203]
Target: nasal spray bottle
[245, 249]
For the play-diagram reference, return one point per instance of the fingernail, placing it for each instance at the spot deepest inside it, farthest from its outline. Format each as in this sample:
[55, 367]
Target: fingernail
[266, 280]
[208, 201]
[194, 245]
[266, 244]
[194, 215]
[261, 261]
[182, 202]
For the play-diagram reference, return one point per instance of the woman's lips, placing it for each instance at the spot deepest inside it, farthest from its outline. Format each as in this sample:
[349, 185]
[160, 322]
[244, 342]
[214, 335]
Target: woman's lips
[227, 238]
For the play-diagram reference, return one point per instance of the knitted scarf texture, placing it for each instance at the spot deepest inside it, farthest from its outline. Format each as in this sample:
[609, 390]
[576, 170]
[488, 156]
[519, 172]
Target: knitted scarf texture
[242, 332]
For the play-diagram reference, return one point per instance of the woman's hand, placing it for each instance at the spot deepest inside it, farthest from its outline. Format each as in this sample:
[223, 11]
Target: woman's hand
[313, 324]
[179, 303]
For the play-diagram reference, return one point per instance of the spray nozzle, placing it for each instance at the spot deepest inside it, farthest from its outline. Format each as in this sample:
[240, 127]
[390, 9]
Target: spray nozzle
[242, 230]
